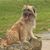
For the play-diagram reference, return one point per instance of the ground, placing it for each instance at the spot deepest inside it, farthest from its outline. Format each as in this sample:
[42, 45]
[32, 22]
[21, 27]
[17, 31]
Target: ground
[45, 40]
[45, 37]
[46, 45]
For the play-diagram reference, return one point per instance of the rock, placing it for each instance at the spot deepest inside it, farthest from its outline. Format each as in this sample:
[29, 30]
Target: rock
[33, 44]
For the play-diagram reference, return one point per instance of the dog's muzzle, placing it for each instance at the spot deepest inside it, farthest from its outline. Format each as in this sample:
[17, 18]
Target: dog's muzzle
[28, 13]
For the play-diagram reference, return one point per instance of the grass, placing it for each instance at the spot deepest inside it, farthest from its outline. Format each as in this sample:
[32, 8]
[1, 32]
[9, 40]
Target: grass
[10, 12]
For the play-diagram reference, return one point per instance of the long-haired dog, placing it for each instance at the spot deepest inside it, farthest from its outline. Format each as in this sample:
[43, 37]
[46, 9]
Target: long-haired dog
[22, 29]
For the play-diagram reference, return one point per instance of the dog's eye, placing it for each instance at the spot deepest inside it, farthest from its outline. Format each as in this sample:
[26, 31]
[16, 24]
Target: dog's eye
[28, 10]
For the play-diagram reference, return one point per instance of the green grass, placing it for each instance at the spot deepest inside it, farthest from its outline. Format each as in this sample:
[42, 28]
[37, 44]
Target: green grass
[10, 12]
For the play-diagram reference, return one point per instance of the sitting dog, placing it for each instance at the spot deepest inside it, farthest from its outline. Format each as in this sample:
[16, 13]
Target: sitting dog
[22, 30]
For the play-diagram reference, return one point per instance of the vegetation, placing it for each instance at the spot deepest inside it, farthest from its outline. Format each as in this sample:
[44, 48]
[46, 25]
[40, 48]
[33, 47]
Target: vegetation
[10, 12]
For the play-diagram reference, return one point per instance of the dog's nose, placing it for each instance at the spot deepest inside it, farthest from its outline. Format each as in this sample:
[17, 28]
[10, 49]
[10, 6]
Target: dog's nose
[26, 14]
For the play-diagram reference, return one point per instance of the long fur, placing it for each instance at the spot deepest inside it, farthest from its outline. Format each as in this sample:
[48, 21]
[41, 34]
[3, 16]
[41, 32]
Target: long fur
[22, 29]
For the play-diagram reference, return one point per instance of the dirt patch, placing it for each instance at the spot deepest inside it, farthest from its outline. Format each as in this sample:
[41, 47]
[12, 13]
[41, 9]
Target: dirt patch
[45, 44]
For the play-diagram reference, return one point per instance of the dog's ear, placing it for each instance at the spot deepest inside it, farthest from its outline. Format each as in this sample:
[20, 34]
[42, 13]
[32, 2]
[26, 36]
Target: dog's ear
[25, 6]
[35, 11]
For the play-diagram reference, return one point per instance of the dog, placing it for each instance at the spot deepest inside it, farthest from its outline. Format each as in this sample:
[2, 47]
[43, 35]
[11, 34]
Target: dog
[22, 30]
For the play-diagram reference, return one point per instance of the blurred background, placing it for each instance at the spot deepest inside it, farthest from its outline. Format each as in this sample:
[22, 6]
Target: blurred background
[11, 10]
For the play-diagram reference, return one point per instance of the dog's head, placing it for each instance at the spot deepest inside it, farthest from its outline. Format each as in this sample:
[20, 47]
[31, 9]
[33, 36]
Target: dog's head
[29, 11]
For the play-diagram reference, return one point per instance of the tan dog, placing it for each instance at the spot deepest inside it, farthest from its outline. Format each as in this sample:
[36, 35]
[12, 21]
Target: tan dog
[22, 29]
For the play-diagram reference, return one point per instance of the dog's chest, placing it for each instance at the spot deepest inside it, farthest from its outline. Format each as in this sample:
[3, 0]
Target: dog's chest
[28, 27]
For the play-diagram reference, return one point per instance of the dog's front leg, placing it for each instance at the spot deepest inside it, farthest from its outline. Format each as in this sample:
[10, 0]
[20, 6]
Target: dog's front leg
[32, 35]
